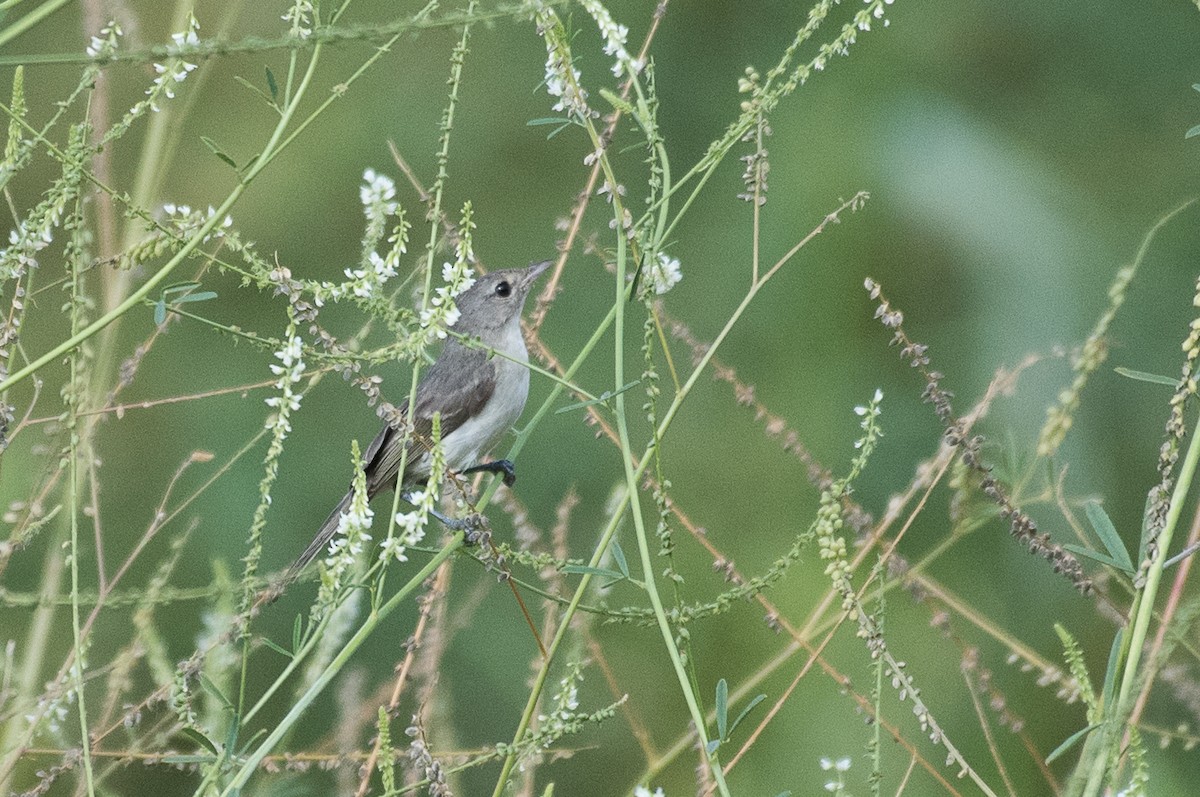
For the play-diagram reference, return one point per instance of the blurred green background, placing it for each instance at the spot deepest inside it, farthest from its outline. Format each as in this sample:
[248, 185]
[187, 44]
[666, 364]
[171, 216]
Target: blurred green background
[1015, 153]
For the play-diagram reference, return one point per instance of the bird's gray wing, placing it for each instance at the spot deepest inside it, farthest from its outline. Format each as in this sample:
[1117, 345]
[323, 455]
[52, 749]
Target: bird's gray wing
[458, 392]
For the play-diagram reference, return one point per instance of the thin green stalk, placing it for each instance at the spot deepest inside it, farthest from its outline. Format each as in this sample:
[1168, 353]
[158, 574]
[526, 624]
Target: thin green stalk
[73, 502]
[610, 530]
[250, 764]
[1143, 613]
[270, 152]
[634, 498]
[29, 20]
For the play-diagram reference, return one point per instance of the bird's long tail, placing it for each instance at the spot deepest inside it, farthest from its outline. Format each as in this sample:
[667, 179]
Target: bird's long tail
[319, 543]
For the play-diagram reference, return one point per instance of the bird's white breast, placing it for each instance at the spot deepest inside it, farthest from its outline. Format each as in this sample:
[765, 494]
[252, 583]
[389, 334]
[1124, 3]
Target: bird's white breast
[466, 445]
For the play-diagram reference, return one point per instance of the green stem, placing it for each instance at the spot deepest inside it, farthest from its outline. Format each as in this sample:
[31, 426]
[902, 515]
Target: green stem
[250, 764]
[1143, 613]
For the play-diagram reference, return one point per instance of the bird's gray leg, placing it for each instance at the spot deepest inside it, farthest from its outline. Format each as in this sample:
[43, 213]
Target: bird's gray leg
[499, 466]
[472, 524]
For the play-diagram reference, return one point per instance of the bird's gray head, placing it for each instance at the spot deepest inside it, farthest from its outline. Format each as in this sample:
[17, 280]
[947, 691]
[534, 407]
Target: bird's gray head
[495, 299]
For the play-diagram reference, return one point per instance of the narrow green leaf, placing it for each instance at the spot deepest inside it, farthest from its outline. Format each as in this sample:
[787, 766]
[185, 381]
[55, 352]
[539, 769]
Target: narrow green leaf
[619, 557]
[1070, 742]
[550, 120]
[179, 287]
[1096, 556]
[215, 691]
[200, 739]
[722, 710]
[160, 312]
[1195, 131]
[1107, 532]
[1142, 376]
[297, 632]
[271, 84]
[601, 399]
[216, 150]
[199, 296]
[593, 571]
[1110, 673]
[277, 648]
[186, 760]
[749, 707]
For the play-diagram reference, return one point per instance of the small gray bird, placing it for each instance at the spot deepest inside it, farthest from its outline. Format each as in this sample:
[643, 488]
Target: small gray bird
[479, 397]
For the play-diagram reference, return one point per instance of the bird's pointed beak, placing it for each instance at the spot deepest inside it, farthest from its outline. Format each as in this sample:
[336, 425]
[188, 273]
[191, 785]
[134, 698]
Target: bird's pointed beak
[533, 272]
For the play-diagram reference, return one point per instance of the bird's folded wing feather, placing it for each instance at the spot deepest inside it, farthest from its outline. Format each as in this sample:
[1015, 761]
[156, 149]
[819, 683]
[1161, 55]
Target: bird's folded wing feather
[457, 396]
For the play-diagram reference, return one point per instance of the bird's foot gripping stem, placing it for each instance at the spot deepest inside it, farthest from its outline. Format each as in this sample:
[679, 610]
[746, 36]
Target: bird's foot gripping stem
[499, 466]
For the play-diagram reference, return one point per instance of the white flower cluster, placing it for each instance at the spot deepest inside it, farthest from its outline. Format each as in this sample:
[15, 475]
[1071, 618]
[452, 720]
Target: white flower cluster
[350, 539]
[665, 273]
[289, 371]
[562, 78]
[412, 524]
[457, 277]
[868, 415]
[565, 702]
[21, 254]
[299, 16]
[172, 73]
[642, 791]
[840, 767]
[185, 221]
[51, 712]
[378, 196]
[105, 44]
[614, 39]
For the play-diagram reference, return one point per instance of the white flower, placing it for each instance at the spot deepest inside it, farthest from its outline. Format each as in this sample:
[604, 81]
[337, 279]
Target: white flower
[376, 194]
[300, 18]
[665, 273]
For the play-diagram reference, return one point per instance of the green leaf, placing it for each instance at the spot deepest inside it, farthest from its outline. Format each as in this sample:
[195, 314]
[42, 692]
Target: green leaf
[1110, 674]
[749, 707]
[722, 710]
[563, 124]
[593, 571]
[200, 739]
[160, 312]
[712, 746]
[199, 296]
[277, 648]
[619, 557]
[216, 150]
[1195, 131]
[187, 760]
[1095, 556]
[215, 691]
[1070, 742]
[179, 287]
[271, 84]
[1107, 532]
[297, 629]
[601, 399]
[1142, 376]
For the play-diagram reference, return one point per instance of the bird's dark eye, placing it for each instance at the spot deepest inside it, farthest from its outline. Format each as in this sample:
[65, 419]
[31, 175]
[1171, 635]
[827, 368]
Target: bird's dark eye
[503, 289]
